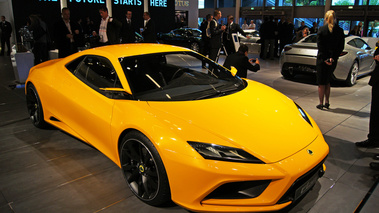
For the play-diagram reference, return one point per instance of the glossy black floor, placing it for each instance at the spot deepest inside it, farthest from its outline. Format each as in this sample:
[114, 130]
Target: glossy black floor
[50, 171]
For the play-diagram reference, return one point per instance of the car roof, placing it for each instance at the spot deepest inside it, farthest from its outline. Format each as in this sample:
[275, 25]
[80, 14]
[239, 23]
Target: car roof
[125, 50]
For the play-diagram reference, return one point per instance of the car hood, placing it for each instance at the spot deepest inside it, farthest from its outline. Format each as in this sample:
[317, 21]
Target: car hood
[257, 119]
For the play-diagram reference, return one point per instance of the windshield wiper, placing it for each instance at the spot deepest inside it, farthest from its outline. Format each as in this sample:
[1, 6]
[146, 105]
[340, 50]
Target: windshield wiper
[218, 93]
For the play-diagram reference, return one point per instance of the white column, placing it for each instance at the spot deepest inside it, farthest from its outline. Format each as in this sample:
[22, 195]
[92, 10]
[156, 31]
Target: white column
[63, 4]
[237, 13]
[145, 5]
[108, 4]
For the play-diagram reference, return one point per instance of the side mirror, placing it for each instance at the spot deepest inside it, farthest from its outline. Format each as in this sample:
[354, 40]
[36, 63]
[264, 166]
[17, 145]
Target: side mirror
[233, 70]
[116, 93]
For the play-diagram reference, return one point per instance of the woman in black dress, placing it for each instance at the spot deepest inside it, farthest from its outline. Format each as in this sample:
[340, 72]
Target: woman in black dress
[330, 43]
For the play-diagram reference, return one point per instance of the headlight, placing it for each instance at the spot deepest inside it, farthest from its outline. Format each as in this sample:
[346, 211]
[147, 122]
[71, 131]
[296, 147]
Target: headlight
[223, 153]
[303, 114]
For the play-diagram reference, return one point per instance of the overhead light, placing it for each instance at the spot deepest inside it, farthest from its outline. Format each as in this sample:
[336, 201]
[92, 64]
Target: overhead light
[273, 8]
[252, 8]
[350, 7]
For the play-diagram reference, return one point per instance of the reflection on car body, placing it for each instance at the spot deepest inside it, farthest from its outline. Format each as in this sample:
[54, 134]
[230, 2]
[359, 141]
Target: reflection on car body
[355, 60]
[181, 131]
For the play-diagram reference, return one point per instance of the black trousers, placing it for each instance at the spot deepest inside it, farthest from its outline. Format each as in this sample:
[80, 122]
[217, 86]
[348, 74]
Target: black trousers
[213, 53]
[41, 52]
[374, 114]
[5, 40]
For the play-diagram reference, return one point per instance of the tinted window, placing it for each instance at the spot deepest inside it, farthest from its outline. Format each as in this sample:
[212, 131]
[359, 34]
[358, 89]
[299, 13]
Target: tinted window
[74, 64]
[97, 72]
[196, 33]
[181, 32]
[361, 44]
[178, 77]
[310, 39]
[352, 43]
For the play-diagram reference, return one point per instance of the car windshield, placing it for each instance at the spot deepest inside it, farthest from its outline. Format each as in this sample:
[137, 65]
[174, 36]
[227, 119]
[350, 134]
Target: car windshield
[196, 33]
[310, 39]
[179, 76]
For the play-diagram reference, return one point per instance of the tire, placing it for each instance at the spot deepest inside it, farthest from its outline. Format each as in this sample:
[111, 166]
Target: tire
[143, 169]
[34, 106]
[353, 74]
[195, 47]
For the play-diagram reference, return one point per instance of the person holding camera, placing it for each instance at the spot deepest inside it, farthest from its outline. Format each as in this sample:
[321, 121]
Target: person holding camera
[241, 62]
[330, 43]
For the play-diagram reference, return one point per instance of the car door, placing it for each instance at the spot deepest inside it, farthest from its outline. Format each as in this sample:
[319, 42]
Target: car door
[180, 37]
[88, 108]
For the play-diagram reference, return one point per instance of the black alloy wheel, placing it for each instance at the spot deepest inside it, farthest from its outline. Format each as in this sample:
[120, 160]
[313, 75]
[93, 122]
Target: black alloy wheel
[34, 106]
[195, 46]
[144, 170]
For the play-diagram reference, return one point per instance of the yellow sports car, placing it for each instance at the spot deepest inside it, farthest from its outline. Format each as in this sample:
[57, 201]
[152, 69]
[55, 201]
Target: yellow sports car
[182, 127]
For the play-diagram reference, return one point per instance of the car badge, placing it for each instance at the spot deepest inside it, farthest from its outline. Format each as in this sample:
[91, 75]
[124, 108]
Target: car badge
[310, 151]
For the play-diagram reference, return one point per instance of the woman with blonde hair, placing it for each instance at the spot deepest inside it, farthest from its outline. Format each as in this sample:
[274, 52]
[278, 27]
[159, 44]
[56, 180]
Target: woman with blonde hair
[330, 43]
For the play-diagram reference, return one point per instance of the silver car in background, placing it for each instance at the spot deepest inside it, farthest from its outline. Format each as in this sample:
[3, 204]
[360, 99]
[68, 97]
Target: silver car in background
[252, 41]
[355, 60]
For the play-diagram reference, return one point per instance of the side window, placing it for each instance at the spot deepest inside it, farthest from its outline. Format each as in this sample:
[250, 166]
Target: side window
[362, 44]
[352, 43]
[74, 64]
[97, 72]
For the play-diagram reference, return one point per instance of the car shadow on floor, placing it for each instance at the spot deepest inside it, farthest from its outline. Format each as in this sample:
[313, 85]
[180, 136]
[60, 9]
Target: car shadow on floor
[311, 79]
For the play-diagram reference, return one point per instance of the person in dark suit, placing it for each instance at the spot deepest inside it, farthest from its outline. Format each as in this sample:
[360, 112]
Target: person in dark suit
[241, 62]
[205, 36]
[216, 30]
[372, 140]
[6, 31]
[231, 28]
[127, 30]
[109, 29]
[64, 34]
[41, 38]
[148, 33]
[314, 28]
[330, 43]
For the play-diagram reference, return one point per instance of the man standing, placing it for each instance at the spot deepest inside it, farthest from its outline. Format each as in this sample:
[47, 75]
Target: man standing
[6, 31]
[127, 30]
[230, 29]
[252, 25]
[205, 35]
[372, 140]
[109, 28]
[64, 34]
[216, 35]
[148, 33]
[267, 32]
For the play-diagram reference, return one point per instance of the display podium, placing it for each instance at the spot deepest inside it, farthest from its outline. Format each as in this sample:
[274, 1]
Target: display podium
[21, 65]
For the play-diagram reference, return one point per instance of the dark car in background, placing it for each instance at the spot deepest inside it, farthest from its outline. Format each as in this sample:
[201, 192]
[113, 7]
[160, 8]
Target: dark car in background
[184, 37]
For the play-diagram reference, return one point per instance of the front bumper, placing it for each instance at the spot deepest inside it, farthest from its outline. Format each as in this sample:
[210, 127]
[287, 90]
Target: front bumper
[193, 180]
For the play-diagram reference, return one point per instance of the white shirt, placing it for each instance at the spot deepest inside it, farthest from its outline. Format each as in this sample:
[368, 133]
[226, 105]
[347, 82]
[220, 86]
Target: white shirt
[69, 29]
[145, 22]
[103, 30]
